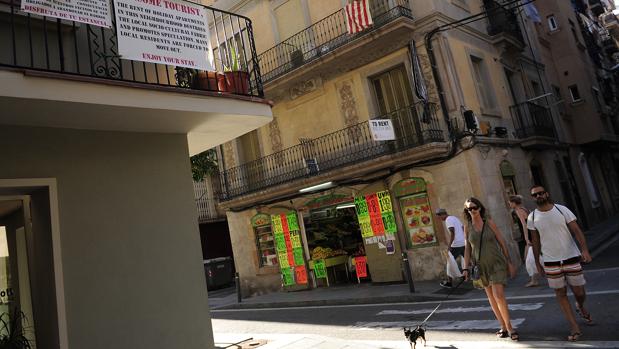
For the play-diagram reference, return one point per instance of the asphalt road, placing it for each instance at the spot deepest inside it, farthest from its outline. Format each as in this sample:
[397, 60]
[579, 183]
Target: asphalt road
[535, 313]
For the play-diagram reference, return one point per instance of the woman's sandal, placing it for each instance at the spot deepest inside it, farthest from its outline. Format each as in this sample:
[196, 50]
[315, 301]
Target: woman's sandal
[574, 337]
[514, 336]
[586, 317]
[501, 333]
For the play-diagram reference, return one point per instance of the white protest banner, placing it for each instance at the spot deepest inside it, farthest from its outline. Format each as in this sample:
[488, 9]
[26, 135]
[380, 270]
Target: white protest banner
[95, 12]
[382, 130]
[164, 31]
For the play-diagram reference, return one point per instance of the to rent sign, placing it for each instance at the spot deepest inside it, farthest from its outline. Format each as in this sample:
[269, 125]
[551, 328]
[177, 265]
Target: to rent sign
[382, 130]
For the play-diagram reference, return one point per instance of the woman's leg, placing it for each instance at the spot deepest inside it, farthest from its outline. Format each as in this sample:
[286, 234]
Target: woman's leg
[495, 307]
[498, 293]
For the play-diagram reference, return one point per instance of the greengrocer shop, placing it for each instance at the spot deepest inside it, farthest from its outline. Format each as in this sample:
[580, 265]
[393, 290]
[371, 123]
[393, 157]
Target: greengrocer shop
[346, 236]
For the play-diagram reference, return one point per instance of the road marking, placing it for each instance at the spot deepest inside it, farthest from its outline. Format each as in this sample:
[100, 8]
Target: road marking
[512, 307]
[529, 297]
[436, 325]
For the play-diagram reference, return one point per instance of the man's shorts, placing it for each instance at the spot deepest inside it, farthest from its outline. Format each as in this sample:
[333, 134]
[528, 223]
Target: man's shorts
[457, 251]
[566, 272]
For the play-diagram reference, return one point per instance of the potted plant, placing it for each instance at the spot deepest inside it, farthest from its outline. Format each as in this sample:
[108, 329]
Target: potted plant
[12, 333]
[211, 81]
[296, 58]
[237, 77]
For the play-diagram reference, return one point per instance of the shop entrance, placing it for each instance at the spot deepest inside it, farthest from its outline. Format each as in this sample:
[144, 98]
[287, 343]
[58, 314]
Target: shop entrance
[334, 239]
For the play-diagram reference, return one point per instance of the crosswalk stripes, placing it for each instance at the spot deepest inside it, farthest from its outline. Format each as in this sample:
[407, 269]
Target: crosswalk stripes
[512, 307]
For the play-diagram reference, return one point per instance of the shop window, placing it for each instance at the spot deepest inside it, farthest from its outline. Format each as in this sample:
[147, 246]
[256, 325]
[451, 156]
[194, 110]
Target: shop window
[416, 211]
[509, 178]
[265, 243]
[552, 23]
[574, 93]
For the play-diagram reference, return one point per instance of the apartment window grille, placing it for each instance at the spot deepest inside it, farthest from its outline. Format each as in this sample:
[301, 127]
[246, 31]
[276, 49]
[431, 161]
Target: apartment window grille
[574, 93]
[552, 23]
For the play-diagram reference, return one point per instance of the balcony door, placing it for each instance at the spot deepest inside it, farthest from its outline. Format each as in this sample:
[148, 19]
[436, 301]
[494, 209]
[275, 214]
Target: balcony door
[249, 152]
[394, 100]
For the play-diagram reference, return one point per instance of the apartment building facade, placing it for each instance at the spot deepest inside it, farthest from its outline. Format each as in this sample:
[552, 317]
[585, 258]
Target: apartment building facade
[317, 179]
[100, 243]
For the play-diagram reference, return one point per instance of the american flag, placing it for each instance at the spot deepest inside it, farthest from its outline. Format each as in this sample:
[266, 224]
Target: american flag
[358, 16]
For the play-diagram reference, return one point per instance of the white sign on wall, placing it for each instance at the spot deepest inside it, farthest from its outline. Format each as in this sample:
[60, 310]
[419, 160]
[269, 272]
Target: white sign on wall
[164, 31]
[95, 12]
[382, 130]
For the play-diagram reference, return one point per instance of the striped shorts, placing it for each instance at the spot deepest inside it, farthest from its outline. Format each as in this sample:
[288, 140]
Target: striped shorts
[566, 272]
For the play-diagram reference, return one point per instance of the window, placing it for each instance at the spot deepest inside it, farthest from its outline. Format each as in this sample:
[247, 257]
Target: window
[573, 29]
[537, 173]
[265, 243]
[556, 91]
[552, 23]
[537, 89]
[574, 93]
[483, 84]
[508, 173]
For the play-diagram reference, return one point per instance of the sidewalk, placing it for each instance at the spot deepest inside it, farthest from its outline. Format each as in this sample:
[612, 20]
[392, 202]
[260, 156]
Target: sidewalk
[598, 237]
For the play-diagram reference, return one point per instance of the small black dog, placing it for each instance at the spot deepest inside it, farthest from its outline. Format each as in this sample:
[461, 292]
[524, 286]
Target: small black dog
[413, 335]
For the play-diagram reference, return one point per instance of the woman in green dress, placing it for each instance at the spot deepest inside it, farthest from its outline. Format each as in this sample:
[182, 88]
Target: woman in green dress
[493, 261]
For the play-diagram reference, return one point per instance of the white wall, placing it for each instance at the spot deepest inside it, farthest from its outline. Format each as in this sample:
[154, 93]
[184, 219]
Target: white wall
[132, 262]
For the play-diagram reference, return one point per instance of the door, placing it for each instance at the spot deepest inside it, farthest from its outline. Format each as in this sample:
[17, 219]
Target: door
[394, 100]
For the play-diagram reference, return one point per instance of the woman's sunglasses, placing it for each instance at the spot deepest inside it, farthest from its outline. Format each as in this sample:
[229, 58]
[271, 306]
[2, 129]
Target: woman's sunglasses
[539, 193]
[472, 208]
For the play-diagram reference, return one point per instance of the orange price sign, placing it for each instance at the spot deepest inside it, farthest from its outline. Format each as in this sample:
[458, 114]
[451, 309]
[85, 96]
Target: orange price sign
[300, 274]
[361, 267]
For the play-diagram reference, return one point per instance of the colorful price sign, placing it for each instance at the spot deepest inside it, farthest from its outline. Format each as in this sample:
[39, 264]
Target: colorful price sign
[375, 214]
[283, 259]
[300, 275]
[361, 267]
[288, 276]
[298, 256]
[293, 224]
[295, 239]
[320, 270]
[276, 223]
[280, 242]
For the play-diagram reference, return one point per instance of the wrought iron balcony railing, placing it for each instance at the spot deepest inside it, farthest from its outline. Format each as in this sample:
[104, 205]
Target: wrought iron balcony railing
[414, 126]
[502, 20]
[532, 120]
[35, 42]
[323, 37]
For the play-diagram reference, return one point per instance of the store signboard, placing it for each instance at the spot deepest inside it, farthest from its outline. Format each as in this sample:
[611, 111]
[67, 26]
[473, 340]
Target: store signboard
[417, 216]
[289, 248]
[375, 214]
[168, 32]
[320, 270]
[94, 12]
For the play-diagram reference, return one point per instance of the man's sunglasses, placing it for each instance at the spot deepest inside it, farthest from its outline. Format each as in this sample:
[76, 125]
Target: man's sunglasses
[539, 193]
[472, 208]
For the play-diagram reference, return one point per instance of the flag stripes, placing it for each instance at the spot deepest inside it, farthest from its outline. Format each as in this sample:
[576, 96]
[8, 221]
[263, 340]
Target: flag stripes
[358, 16]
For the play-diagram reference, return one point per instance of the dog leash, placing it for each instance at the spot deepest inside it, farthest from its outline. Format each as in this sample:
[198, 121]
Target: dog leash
[441, 302]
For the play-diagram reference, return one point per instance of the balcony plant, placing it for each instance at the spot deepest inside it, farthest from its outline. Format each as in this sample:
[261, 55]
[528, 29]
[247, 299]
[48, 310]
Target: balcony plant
[237, 76]
[12, 332]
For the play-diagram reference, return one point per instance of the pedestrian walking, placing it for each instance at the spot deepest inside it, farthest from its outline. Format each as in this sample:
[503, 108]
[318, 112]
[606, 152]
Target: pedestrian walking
[488, 262]
[455, 239]
[521, 235]
[553, 228]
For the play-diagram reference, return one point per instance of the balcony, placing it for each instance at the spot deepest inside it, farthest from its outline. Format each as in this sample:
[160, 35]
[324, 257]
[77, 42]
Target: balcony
[533, 123]
[206, 200]
[327, 35]
[61, 73]
[596, 7]
[503, 26]
[414, 127]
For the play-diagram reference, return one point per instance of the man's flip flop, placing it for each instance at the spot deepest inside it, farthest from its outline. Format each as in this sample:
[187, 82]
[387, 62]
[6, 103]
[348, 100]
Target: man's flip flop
[574, 337]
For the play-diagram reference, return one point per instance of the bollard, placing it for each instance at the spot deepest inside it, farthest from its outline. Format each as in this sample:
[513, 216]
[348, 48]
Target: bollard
[237, 281]
[407, 271]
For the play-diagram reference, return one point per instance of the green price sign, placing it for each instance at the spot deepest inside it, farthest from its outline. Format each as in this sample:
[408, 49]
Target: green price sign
[389, 222]
[298, 256]
[280, 242]
[293, 224]
[320, 270]
[288, 276]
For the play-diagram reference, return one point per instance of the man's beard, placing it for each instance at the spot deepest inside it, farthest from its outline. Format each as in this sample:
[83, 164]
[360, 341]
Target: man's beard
[542, 200]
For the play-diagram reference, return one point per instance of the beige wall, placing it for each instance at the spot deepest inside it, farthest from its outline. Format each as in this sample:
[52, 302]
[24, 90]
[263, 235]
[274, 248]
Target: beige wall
[128, 231]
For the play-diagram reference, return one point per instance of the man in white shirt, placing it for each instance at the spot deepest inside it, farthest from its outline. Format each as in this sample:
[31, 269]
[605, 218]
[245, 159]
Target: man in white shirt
[553, 228]
[455, 238]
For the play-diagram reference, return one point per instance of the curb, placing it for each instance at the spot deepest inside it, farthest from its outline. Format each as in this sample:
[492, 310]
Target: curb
[347, 301]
